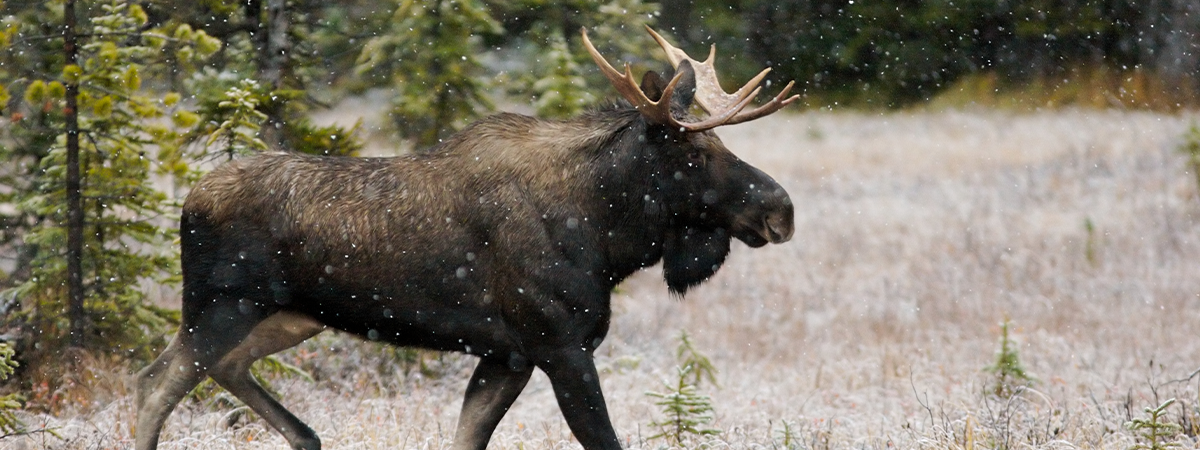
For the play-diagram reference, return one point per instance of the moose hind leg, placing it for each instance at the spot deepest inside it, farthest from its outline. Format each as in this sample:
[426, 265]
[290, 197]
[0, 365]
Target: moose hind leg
[161, 385]
[278, 332]
[205, 336]
[493, 387]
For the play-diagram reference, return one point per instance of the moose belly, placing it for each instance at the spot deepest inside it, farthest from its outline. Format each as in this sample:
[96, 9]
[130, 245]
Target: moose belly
[437, 316]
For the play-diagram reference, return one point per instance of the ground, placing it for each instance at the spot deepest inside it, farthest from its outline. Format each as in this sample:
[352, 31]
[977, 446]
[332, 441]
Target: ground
[917, 234]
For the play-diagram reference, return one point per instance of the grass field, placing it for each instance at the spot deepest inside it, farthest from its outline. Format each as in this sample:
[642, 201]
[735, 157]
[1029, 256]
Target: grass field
[917, 234]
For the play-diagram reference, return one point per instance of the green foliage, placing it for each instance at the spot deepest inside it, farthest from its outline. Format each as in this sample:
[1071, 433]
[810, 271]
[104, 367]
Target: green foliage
[561, 91]
[564, 80]
[132, 130]
[1009, 375]
[1190, 147]
[429, 55]
[26, 132]
[788, 436]
[1153, 431]
[696, 363]
[9, 423]
[231, 114]
[317, 42]
[8, 364]
[239, 131]
[305, 137]
[615, 26]
[428, 52]
[126, 237]
[685, 411]
[893, 54]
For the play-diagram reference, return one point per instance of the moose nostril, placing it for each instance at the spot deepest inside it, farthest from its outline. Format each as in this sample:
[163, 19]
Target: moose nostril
[779, 227]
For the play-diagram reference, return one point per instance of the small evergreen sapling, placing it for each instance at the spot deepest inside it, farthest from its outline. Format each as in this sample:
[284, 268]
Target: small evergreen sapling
[1153, 430]
[788, 435]
[697, 363]
[687, 411]
[1009, 372]
[1190, 147]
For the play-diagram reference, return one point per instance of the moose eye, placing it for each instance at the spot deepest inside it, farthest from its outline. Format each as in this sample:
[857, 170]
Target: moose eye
[695, 158]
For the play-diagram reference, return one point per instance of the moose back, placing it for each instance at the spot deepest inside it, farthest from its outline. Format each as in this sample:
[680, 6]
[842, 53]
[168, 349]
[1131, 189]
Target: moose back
[503, 242]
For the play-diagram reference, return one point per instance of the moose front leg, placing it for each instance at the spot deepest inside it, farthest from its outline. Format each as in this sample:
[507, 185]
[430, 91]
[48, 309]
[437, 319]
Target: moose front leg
[494, 386]
[576, 384]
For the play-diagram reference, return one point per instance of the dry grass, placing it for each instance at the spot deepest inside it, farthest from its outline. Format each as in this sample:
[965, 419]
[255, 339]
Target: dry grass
[917, 233]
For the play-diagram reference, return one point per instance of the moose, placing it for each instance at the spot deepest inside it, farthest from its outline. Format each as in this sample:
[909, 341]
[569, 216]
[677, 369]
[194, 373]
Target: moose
[504, 242]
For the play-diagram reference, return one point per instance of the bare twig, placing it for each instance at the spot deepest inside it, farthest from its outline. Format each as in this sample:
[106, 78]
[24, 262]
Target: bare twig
[918, 396]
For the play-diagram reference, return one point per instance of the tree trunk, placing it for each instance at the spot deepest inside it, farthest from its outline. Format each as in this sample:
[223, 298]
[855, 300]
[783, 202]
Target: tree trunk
[272, 65]
[75, 310]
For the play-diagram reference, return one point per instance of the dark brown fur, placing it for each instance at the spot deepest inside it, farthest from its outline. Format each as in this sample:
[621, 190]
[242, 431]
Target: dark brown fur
[504, 242]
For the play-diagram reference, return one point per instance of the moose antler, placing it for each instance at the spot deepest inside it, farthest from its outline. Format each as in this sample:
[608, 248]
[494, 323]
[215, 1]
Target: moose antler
[709, 94]
[660, 111]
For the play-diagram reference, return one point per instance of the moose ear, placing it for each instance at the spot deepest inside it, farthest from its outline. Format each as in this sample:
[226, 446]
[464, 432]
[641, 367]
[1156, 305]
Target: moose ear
[653, 85]
[685, 91]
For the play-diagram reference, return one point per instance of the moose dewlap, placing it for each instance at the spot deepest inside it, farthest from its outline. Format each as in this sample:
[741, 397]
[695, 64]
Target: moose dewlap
[503, 242]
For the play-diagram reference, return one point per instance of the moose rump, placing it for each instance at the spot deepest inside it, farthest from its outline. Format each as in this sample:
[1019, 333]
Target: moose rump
[503, 242]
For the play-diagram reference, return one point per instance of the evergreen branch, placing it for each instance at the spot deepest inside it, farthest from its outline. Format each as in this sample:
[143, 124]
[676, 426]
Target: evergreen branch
[26, 39]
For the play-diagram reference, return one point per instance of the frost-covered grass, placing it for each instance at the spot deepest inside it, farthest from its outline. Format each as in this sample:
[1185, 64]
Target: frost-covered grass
[917, 234]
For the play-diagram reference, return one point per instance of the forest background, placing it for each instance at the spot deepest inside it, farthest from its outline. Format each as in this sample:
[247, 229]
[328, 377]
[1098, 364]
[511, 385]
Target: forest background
[109, 110]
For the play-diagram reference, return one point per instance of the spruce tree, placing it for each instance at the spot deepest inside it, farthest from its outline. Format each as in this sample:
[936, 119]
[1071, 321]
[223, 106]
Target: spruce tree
[428, 54]
[86, 136]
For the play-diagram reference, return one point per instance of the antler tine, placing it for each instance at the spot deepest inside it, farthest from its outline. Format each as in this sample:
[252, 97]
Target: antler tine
[707, 124]
[718, 120]
[622, 82]
[676, 54]
[709, 94]
[775, 104]
[659, 111]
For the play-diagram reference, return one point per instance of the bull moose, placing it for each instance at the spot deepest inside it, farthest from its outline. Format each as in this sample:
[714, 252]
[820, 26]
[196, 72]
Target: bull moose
[504, 241]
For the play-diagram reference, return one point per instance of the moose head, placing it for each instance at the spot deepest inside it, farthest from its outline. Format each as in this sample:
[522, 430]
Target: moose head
[711, 194]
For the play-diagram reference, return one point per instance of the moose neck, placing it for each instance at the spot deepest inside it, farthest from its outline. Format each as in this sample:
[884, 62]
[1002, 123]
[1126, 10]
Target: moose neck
[595, 179]
[633, 219]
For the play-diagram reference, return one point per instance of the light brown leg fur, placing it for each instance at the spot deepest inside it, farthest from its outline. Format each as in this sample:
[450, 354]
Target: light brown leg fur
[279, 332]
[165, 382]
[161, 386]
